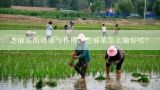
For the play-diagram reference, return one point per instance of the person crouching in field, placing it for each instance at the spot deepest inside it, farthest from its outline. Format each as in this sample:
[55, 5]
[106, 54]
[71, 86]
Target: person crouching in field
[113, 55]
[82, 53]
[49, 31]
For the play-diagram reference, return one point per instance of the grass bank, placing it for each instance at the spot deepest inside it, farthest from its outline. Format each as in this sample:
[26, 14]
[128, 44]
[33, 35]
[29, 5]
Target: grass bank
[41, 26]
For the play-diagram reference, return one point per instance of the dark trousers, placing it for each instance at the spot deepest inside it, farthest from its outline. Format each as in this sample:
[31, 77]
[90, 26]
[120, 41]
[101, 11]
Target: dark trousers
[81, 68]
[118, 66]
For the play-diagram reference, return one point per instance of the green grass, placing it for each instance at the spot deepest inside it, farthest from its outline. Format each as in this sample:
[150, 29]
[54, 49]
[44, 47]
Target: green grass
[6, 25]
[43, 14]
[54, 64]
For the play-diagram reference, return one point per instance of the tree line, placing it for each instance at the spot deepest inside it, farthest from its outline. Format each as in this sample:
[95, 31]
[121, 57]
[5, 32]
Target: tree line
[123, 7]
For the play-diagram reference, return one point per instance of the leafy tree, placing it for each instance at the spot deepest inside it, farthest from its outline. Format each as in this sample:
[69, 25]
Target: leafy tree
[53, 3]
[150, 4]
[5, 3]
[31, 3]
[110, 3]
[156, 7]
[124, 7]
[97, 6]
[140, 7]
[80, 4]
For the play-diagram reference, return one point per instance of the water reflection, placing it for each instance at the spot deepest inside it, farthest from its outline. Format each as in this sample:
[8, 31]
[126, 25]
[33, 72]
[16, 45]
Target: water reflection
[113, 85]
[80, 84]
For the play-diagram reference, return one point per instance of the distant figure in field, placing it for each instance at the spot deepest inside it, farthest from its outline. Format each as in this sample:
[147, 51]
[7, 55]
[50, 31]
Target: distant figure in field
[65, 27]
[116, 30]
[49, 30]
[69, 28]
[30, 36]
[82, 53]
[71, 24]
[116, 56]
[104, 30]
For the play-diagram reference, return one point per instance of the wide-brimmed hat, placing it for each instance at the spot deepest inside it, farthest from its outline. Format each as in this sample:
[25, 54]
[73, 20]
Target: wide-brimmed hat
[112, 51]
[81, 37]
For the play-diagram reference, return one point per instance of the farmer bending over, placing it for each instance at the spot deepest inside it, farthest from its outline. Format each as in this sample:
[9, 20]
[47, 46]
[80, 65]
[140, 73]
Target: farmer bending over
[81, 53]
[113, 55]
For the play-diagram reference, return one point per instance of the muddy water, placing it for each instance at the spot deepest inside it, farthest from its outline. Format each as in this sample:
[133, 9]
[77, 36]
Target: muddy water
[75, 83]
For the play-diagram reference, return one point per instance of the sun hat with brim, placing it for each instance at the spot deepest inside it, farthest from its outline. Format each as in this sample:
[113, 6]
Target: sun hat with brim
[81, 37]
[112, 51]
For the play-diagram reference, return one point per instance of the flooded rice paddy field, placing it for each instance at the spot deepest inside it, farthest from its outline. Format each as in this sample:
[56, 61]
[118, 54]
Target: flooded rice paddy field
[36, 64]
[76, 83]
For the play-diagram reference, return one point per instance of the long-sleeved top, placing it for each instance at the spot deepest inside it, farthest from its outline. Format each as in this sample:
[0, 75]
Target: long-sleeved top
[82, 51]
[49, 30]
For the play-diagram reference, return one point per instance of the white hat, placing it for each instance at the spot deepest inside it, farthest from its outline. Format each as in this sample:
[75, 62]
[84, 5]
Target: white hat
[82, 37]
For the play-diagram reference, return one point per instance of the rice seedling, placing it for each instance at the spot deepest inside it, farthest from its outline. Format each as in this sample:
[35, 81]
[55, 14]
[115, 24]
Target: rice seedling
[136, 75]
[143, 79]
[39, 84]
[54, 64]
[51, 83]
[101, 77]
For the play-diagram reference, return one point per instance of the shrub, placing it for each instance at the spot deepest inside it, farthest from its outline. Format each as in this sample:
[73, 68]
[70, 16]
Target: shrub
[5, 3]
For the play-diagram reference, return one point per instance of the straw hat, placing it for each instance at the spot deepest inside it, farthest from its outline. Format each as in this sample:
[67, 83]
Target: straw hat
[112, 51]
[81, 37]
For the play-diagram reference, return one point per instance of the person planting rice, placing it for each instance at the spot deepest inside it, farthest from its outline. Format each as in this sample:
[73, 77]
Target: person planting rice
[49, 31]
[82, 53]
[116, 30]
[71, 24]
[68, 29]
[104, 31]
[116, 56]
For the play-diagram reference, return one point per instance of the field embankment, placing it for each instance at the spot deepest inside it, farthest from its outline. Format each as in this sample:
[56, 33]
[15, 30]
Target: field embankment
[21, 22]
[33, 8]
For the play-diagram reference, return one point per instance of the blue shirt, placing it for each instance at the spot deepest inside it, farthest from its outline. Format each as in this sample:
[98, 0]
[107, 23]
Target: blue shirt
[82, 51]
